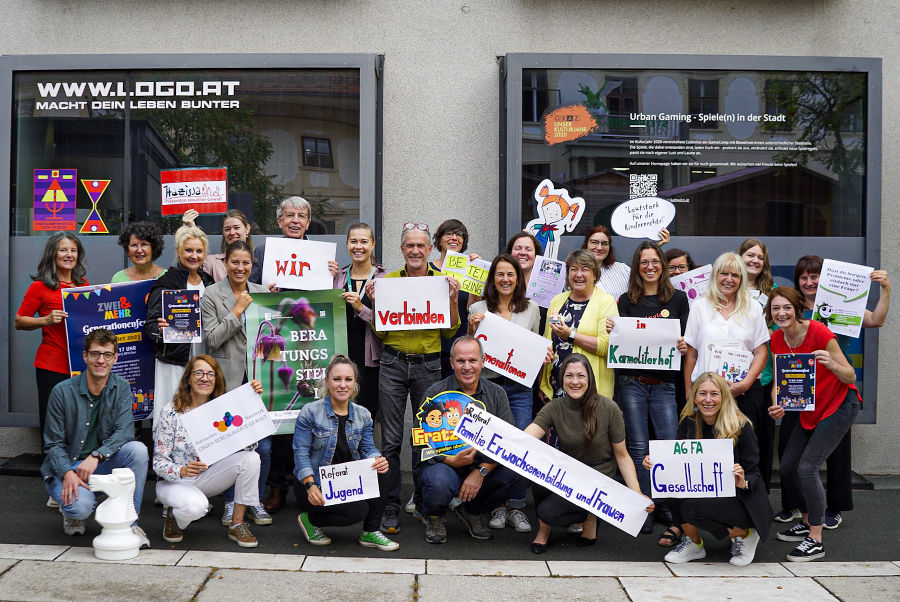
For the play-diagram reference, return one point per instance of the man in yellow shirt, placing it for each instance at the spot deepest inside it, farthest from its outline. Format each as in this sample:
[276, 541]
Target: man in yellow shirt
[410, 362]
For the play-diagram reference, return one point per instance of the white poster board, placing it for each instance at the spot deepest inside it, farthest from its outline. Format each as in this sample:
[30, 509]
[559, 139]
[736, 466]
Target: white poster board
[693, 283]
[842, 296]
[348, 482]
[644, 343]
[227, 424]
[548, 279]
[692, 468]
[297, 264]
[417, 303]
[510, 350]
[643, 217]
[547, 466]
[471, 273]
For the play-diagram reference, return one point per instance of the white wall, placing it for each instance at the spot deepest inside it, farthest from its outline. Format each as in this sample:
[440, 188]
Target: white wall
[441, 85]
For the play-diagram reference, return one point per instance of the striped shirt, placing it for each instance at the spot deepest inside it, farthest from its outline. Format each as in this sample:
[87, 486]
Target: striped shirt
[614, 279]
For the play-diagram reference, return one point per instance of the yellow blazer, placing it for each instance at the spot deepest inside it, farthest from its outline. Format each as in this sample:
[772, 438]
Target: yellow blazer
[593, 324]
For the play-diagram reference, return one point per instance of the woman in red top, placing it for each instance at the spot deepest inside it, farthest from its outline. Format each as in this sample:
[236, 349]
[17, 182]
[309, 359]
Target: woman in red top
[836, 405]
[61, 266]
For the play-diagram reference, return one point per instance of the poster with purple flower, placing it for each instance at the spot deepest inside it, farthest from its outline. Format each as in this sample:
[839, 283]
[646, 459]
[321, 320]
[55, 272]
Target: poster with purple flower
[291, 337]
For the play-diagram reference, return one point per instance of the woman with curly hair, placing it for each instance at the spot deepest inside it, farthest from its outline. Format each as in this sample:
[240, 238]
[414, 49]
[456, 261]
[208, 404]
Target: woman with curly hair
[144, 244]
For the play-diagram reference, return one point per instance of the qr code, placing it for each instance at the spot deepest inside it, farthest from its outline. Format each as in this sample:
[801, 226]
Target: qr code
[642, 185]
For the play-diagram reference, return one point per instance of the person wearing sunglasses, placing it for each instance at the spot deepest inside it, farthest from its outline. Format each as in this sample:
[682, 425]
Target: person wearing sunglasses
[186, 483]
[410, 362]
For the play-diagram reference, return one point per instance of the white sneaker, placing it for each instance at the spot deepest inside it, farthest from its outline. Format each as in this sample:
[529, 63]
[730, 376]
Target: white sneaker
[686, 551]
[73, 526]
[229, 512]
[498, 517]
[145, 541]
[744, 548]
[410, 506]
[518, 521]
[51, 503]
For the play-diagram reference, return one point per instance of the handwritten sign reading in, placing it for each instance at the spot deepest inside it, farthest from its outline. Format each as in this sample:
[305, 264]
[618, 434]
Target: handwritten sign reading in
[692, 468]
[348, 482]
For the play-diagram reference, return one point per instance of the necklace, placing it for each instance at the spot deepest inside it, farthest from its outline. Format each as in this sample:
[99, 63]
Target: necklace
[796, 343]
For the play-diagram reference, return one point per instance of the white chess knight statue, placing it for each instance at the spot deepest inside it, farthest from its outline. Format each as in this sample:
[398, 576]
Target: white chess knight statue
[116, 541]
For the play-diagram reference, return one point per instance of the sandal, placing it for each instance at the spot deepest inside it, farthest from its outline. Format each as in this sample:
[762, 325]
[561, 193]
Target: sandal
[670, 536]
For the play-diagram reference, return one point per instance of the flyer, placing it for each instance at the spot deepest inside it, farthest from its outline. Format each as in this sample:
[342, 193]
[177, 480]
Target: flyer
[731, 364]
[842, 295]
[548, 279]
[203, 189]
[693, 283]
[181, 309]
[795, 381]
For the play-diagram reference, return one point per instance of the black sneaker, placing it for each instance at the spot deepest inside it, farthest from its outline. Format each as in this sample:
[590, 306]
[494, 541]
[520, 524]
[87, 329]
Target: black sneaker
[809, 549]
[798, 532]
[475, 523]
[435, 530]
[390, 521]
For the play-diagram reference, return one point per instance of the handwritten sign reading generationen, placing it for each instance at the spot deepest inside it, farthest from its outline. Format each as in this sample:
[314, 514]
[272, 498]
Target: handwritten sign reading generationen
[203, 189]
[510, 350]
[692, 468]
[412, 303]
[841, 298]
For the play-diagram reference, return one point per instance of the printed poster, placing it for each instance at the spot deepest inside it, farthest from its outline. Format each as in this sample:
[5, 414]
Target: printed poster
[510, 350]
[693, 283]
[471, 273]
[644, 343]
[436, 419]
[291, 337]
[122, 309]
[181, 309]
[203, 189]
[297, 264]
[795, 381]
[731, 364]
[548, 279]
[692, 468]
[842, 296]
[54, 199]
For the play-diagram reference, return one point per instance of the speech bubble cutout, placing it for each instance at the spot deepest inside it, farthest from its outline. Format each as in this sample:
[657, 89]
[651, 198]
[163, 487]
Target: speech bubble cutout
[643, 217]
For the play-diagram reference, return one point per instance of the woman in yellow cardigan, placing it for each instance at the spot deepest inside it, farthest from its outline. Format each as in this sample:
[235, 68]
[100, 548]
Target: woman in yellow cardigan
[577, 324]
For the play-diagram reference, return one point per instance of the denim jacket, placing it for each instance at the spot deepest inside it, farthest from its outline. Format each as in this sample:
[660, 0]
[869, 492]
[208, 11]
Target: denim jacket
[315, 437]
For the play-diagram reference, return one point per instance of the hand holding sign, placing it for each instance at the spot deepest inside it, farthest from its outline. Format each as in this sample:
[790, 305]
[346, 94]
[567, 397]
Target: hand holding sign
[298, 264]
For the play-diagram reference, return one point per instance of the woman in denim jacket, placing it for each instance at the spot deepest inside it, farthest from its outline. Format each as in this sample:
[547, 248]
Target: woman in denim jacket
[336, 430]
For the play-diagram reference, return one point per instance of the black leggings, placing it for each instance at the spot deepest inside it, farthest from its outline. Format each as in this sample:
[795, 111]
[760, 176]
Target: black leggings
[46, 380]
[715, 515]
[349, 513]
[838, 487]
[755, 406]
[554, 510]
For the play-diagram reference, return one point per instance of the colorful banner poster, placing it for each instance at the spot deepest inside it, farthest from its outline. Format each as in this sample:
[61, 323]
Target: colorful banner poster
[731, 364]
[94, 224]
[548, 279]
[418, 305]
[203, 189]
[471, 273]
[693, 283]
[642, 217]
[692, 468]
[842, 295]
[54, 199]
[547, 466]
[291, 337]
[349, 482]
[300, 265]
[122, 309]
[510, 350]
[181, 309]
[227, 424]
[437, 418]
[795, 381]
[644, 343]
[565, 124]
[558, 213]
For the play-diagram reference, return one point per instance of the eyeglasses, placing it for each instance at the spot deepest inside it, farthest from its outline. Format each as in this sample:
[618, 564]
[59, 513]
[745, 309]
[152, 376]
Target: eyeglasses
[674, 269]
[598, 243]
[200, 375]
[415, 226]
[654, 262]
[290, 216]
[95, 355]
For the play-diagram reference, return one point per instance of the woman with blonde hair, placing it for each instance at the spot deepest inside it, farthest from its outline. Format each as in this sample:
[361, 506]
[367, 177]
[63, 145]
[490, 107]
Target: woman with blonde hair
[714, 414]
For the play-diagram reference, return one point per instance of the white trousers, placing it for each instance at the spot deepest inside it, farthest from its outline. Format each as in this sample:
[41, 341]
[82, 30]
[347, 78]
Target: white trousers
[189, 497]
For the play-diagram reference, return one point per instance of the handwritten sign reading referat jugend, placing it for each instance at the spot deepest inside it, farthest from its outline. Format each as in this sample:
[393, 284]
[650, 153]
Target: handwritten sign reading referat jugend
[644, 343]
[842, 295]
[570, 479]
[298, 264]
[510, 350]
[692, 468]
[643, 217]
[349, 482]
[227, 424]
[412, 303]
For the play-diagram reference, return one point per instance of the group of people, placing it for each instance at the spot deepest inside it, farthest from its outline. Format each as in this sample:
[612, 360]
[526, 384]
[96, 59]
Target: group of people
[602, 417]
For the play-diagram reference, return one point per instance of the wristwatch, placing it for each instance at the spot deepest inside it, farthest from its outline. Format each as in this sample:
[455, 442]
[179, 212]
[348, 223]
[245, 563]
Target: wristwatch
[96, 454]
[484, 471]
[309, 485]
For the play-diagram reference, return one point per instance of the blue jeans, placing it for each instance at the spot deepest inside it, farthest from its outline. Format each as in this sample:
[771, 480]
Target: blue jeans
[641, 404]
[264, 449]
[520, 400]
[397, 380]
[440, 483]
[132, 455]
[807, 450]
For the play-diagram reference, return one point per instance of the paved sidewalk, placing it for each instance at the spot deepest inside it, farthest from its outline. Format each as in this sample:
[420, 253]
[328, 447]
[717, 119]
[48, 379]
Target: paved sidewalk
[45, 572]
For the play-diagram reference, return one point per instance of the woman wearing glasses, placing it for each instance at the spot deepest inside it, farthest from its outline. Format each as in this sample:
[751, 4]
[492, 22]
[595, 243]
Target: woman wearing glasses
[680, 262]
[648, 396]
[613, 274]
[187, 483]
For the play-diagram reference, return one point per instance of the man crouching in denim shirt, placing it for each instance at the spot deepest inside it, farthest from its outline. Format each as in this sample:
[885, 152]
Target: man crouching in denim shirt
[90, 430]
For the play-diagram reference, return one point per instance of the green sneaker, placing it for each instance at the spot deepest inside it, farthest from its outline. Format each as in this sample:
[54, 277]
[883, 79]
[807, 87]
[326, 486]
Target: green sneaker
[377, 539]
[312, 533]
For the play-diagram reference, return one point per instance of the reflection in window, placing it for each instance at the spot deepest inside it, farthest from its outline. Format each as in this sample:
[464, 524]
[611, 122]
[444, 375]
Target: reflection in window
[781, 99]
[536, 96]
[317, 152]
[703, 97]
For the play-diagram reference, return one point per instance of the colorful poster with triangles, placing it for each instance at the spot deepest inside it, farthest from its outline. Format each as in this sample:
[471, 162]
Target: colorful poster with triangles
[54, 199]
[94, 223]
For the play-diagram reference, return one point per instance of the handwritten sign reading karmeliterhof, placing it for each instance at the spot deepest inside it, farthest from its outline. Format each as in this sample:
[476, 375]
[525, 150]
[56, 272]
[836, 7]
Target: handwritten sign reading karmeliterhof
[644, 343]
[547, 466]
[348, 482]
[412, 303]
[692, 468]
